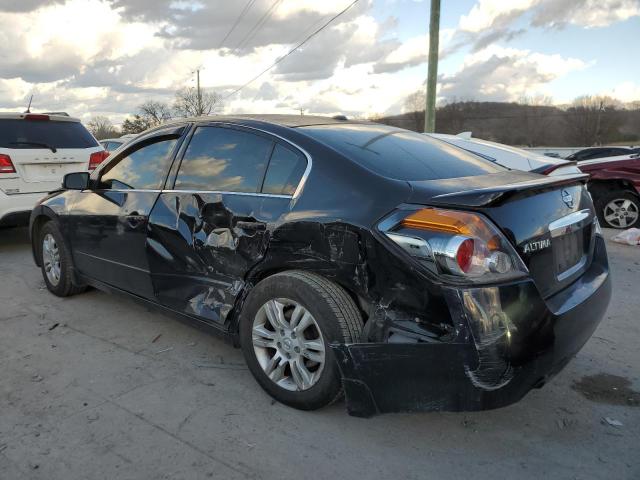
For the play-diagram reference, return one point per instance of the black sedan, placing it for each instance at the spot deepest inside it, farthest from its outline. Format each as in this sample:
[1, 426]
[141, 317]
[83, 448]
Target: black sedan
[341, 256]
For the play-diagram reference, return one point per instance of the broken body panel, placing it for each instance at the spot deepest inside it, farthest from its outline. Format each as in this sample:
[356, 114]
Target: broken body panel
[427, 344]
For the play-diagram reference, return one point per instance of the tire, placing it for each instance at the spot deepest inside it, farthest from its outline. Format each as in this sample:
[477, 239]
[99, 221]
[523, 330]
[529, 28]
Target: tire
[610, 204]
[64, 285]
[335, 318]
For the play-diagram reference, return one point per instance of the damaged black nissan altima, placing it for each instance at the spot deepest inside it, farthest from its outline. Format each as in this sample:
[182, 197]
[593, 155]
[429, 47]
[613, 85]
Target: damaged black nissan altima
[341, 256]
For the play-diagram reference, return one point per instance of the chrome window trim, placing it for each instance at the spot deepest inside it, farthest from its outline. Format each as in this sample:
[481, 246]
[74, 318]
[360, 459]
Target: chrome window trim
[306, 154]
[124, 190]
[222, 192]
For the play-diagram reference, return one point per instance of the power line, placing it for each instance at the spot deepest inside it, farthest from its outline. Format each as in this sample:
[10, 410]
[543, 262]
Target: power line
[309, 37]
[244, 11]
[258, 25]
[297, 38]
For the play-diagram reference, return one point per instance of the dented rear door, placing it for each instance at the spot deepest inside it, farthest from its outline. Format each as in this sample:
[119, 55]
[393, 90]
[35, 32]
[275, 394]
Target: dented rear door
[213, 226]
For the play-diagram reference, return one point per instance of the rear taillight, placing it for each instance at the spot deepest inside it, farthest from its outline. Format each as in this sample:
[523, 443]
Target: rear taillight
[96, 158]
[6, 166]
[460, 244]
[36, 116]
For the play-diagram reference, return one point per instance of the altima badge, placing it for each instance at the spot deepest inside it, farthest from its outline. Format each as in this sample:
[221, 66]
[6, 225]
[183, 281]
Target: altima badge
[567, 198]
[535, 246]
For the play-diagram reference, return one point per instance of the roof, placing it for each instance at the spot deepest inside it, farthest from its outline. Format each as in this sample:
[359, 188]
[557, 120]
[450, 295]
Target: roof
[284, 120]
[21, 116]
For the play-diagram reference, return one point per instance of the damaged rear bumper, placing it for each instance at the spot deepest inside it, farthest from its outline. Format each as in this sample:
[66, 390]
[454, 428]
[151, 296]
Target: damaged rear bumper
[519, 343]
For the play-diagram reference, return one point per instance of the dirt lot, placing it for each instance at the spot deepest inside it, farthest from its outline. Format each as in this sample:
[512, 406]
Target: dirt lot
[86, 393]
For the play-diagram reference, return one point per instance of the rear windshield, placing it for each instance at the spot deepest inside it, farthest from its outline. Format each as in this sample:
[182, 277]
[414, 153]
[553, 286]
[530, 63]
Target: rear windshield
[401, 154]
[15, 133]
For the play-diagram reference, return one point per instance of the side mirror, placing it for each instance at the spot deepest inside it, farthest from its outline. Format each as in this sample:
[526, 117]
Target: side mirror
[76, 181]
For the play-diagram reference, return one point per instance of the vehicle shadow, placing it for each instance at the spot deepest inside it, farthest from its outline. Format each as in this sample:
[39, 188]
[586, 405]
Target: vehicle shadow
[13, 238]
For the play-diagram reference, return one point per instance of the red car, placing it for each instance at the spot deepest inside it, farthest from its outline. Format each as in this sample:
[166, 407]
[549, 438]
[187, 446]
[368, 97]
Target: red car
[615, 188]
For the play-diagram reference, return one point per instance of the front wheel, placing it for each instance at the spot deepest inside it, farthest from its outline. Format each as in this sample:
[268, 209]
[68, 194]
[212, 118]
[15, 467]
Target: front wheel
[619, 210]
[286, 326]
[55, 261]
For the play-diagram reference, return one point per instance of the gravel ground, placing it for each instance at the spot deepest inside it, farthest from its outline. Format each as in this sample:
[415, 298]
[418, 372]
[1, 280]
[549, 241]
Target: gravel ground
[96, 386]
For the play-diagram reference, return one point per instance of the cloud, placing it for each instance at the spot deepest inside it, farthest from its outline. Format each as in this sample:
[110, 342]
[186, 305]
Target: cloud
[489, 21]
[505, 74]
[25, 5]
[625, 92]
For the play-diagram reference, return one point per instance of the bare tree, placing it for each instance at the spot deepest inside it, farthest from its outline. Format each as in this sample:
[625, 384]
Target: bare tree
[156, 113]
[101, 127]
[591, 119]
[414, 106]
[537, 120]
[188, 103]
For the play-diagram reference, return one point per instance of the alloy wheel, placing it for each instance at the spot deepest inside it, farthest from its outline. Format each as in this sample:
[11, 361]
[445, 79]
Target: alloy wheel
[51, 259]
[621, 212]
[288, 344]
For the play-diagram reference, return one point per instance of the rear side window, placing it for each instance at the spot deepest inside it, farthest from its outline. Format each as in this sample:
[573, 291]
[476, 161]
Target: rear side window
[286, 168]
[225, 160]
[401, 154]
[43, 134]
[144, 168]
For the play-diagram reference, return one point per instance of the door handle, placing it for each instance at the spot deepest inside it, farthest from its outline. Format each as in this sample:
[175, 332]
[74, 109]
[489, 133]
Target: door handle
[253, 226]
[134, 220]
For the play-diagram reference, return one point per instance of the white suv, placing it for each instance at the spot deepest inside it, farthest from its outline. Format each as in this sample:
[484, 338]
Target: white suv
[36, 151]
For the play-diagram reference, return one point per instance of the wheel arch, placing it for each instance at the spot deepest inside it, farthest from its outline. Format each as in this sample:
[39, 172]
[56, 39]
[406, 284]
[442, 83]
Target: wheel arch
[601, 187]
[263, 271]
[39, 216]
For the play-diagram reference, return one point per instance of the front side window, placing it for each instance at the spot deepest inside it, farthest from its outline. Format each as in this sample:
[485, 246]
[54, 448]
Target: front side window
[225, 160]
[144, 168]
[286, 168]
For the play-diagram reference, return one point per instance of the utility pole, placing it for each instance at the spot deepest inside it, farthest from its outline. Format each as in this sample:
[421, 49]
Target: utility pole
[432, 75]
[199, 94]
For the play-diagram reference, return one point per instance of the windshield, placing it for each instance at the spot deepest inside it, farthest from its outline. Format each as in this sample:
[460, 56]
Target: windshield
[400, 154]
[43, 134]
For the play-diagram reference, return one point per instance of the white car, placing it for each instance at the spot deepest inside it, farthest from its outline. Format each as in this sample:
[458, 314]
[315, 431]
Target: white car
[112, 144]
[507, 156]
[36, 151]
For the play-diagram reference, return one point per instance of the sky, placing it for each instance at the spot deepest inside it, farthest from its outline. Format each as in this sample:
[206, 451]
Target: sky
[106, 57]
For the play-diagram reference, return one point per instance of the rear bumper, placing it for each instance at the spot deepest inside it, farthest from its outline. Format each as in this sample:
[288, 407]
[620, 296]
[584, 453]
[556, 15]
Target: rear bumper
[15, 209]
[489, 364]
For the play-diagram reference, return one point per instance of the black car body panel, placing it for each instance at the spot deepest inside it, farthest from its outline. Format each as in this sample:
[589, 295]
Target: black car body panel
[472, 371]
[198, 253]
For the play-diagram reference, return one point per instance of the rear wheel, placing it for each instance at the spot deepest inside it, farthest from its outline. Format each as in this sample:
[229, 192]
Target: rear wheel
[55, 262]
[286, 326]
[619, 210]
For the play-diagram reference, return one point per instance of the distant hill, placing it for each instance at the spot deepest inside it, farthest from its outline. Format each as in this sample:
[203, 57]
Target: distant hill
[531, 125]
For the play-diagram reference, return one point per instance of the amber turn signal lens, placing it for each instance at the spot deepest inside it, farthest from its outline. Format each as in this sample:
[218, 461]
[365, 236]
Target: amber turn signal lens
[446, 221]
[436, 220]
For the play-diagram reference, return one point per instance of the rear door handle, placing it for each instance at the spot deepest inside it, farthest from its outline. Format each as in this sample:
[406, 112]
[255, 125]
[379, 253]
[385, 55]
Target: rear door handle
[253, 226]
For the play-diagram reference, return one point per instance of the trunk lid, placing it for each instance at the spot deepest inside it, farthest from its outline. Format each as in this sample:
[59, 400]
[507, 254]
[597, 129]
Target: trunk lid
[549, 220]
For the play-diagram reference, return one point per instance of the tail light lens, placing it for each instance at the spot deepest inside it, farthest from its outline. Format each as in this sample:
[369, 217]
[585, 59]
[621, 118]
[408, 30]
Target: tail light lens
[96, 158]
[6, 166]
[461, 245]
[36, 116]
